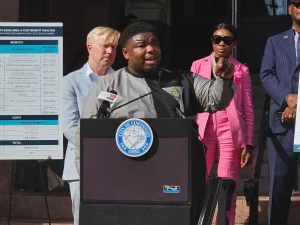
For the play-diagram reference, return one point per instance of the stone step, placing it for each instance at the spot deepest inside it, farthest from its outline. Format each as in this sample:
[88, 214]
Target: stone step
[35, 222]
[32, 206]
[242, 212]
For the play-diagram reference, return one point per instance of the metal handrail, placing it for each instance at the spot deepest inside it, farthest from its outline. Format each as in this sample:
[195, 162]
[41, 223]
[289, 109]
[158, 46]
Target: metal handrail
[251, 185]
[220, 191]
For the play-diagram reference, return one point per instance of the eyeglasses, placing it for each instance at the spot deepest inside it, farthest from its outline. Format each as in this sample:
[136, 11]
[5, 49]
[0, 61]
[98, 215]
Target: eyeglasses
[296, 4]
[216, 39]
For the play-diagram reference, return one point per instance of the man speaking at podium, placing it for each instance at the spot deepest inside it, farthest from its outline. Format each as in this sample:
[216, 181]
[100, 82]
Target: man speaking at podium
[146, 91]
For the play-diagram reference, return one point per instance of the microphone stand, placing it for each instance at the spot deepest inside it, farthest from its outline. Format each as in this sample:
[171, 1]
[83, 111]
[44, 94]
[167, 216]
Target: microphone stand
[102, 111]
[180, 113]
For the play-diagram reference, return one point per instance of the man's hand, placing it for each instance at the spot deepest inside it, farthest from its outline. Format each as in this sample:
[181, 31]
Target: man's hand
[224, 69]
[288, 114]
[291, 100]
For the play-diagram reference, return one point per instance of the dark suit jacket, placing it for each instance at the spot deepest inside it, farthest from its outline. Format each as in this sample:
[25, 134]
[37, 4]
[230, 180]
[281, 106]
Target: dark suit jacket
[279, 75]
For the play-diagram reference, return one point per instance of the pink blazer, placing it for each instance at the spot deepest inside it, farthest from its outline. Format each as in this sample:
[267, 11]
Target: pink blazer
[240, 110]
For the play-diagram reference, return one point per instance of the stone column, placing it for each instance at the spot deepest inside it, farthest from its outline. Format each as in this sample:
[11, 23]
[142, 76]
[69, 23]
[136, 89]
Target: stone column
[79, 17]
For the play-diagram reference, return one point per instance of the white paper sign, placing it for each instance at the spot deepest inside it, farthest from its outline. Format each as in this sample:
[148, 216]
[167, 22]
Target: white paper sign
[107, 96]
[31, 73]
[297, 128]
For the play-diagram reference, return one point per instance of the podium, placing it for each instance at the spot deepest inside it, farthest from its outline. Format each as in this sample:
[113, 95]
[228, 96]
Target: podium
[166, 186]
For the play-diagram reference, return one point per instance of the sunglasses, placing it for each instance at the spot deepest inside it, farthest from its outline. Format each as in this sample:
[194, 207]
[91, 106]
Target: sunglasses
[296, 4]
[216, 39]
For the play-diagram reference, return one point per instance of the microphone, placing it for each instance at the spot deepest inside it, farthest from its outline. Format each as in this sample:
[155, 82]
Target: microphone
[108, 100]
[111, 97]
[133, 100]
[180, 113]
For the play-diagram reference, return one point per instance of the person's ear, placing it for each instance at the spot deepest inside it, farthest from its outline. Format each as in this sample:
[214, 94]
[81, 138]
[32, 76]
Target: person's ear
[89, 48]
[289, 9]
[235, 43]
[125, 53]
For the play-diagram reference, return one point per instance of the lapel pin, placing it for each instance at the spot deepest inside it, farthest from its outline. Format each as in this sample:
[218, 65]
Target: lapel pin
[286, 37]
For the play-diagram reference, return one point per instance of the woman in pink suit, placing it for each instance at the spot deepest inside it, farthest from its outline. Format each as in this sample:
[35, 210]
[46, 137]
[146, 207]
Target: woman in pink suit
[227, 134]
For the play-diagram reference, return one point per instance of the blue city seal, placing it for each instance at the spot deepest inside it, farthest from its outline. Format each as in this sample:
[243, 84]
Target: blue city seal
[134, 137]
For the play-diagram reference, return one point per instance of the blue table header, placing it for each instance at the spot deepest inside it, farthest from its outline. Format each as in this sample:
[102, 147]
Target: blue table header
[12, 31]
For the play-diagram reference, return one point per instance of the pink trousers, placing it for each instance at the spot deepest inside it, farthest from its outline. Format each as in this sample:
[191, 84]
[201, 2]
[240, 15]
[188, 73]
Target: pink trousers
[218, 140]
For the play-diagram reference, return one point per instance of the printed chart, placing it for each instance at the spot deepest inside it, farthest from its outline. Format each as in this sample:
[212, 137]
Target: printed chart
[30, 89]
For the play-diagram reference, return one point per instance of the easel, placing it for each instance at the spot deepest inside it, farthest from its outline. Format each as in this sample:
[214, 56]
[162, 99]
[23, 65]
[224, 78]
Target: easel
[43, 186]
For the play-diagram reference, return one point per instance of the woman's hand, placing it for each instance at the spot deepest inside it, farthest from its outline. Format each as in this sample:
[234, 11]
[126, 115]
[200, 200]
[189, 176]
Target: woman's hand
[246, 155]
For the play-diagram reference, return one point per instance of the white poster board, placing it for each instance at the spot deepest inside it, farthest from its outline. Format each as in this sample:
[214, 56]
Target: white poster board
[297, 127]
[31, 73]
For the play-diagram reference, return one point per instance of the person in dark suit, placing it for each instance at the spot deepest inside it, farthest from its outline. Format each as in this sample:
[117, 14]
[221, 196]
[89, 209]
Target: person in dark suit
[279, 75]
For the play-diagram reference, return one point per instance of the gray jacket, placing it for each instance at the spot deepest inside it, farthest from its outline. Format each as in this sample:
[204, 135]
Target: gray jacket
[194, 94]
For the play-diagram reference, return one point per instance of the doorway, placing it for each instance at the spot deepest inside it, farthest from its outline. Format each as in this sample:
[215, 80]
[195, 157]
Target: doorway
[191, 29]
